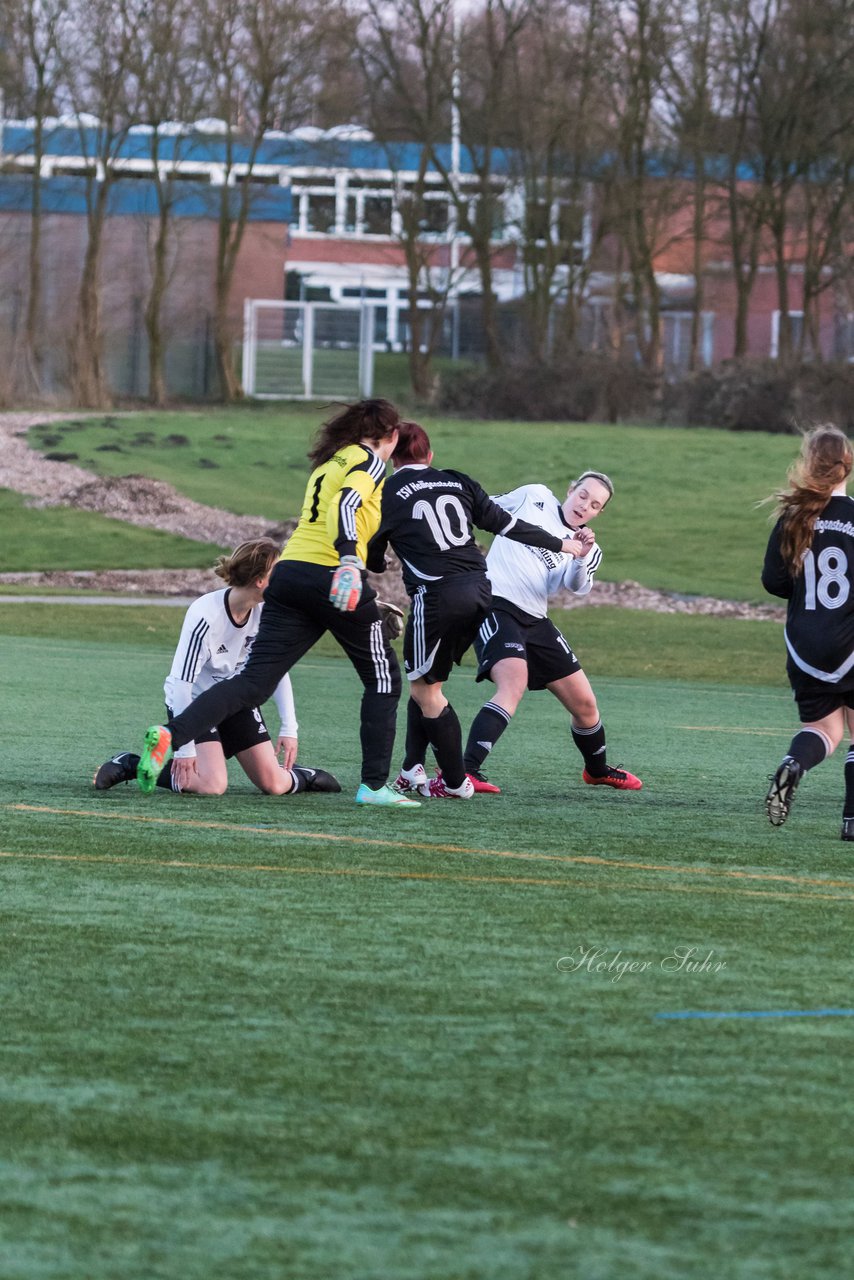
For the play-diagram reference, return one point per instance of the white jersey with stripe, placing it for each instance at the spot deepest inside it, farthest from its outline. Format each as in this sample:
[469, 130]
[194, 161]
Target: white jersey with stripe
[527, 576]
[213, 647]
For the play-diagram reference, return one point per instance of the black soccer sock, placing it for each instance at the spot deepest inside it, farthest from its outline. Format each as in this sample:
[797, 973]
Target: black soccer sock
[164, 777]
[487, 727]
[300, 778]
[591, 744]
[809, 748]
[446, 739]
[848, 811]
[417, 739]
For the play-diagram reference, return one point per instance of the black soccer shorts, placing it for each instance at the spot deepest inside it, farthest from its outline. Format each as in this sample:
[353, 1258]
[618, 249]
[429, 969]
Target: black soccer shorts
[816, 699]
[238, 733]
[536, 641]
[442, 623]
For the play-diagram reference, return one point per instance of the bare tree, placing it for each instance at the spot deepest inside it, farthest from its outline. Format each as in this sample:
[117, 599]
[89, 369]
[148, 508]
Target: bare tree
[688, 87]
[404, 56]
[740, 52]
[170, 90]
[415, 47]
[555, 117]
[98, 80]
[641, 193]
[257, 60]
[806, 117]
[34, 32]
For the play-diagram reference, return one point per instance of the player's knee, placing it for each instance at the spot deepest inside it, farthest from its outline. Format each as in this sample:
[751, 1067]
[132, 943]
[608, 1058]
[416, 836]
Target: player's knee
[586, 711]
[212, 787]
[275, 784]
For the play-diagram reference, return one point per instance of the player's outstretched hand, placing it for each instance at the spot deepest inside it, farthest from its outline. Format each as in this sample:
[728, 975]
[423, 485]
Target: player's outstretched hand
[346, 589]
[392, 618]
[286, 750]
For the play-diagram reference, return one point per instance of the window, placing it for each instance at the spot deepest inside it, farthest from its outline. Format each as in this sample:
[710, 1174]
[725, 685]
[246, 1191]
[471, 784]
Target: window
[434, 217]
[377, 221]
[321, 213]
[843, 340]
[796, 331]
[537, 220]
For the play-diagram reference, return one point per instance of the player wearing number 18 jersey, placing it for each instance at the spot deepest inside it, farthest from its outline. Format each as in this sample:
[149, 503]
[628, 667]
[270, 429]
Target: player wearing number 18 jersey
[810, 563]
[427, 516]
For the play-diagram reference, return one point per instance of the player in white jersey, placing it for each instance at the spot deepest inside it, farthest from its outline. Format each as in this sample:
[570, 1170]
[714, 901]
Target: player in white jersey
[519, 647]
[216, 638]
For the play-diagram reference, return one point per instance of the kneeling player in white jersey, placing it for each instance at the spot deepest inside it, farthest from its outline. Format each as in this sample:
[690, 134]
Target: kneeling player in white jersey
[518, 647]
[216, 638]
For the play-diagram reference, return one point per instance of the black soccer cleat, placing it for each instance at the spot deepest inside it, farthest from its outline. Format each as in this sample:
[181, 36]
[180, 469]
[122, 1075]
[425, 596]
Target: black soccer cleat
[316, 779]
[122, 768]
[847, 832]
[781, 793]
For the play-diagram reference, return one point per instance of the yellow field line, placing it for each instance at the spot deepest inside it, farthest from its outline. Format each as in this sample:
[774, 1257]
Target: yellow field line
[369, 873]
[566, 859]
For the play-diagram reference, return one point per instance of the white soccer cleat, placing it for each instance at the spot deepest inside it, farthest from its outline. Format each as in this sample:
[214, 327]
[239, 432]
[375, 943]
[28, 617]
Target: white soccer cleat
[438, 789]
[410, 779]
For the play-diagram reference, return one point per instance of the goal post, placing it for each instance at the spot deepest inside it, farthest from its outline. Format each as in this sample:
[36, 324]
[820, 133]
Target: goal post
[307, 350]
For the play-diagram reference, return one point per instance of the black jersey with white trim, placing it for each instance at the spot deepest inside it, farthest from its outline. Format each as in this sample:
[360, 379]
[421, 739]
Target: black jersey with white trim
[820, 614]
[428, 516]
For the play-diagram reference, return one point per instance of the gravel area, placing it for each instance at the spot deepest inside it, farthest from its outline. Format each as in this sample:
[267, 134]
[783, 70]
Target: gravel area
[156, 505]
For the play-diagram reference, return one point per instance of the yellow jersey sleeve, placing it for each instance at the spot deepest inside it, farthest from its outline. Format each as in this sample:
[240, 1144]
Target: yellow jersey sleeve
[341, 509]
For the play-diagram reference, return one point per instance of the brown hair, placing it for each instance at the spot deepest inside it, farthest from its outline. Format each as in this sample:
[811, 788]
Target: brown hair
[372, 420]
[248, 562]
[413, 445]
[824, 464]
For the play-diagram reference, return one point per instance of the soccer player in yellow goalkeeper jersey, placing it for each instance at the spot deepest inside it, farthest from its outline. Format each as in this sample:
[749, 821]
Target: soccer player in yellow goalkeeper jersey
[319, 585]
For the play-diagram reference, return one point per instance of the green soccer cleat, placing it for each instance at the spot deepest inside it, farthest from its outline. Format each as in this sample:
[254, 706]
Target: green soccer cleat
[386, 797]
[155, 757]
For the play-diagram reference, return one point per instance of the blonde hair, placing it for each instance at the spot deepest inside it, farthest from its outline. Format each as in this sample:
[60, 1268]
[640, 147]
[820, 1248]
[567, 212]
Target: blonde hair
[604, 480]
[248, 562]
[825, 463]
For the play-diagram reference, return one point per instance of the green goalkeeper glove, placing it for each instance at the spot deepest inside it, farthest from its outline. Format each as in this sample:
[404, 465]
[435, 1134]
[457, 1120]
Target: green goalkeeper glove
[346, 589]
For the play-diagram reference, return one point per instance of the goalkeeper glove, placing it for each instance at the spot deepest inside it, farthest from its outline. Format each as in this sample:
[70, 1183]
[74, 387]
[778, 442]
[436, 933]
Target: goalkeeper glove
[346, 589]
[392, 619]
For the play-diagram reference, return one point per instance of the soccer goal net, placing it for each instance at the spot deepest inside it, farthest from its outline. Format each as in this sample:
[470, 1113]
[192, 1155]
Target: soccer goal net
[307, 350]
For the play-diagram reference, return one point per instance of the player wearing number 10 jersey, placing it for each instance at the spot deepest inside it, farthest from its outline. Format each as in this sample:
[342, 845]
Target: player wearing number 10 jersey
[810, 563]
[427, 517]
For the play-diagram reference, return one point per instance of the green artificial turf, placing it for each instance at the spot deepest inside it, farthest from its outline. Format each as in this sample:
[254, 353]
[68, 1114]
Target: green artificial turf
[684, 517]
[47, 538]
[258, 1038]
[609, 640]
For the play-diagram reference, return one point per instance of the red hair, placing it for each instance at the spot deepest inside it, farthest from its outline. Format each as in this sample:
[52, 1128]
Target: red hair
[413, 445]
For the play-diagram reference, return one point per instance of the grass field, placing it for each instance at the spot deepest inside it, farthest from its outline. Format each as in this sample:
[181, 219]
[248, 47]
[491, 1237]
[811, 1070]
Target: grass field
[63, 538]
[684, 517]
[249, 1038]
[287, 1038]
